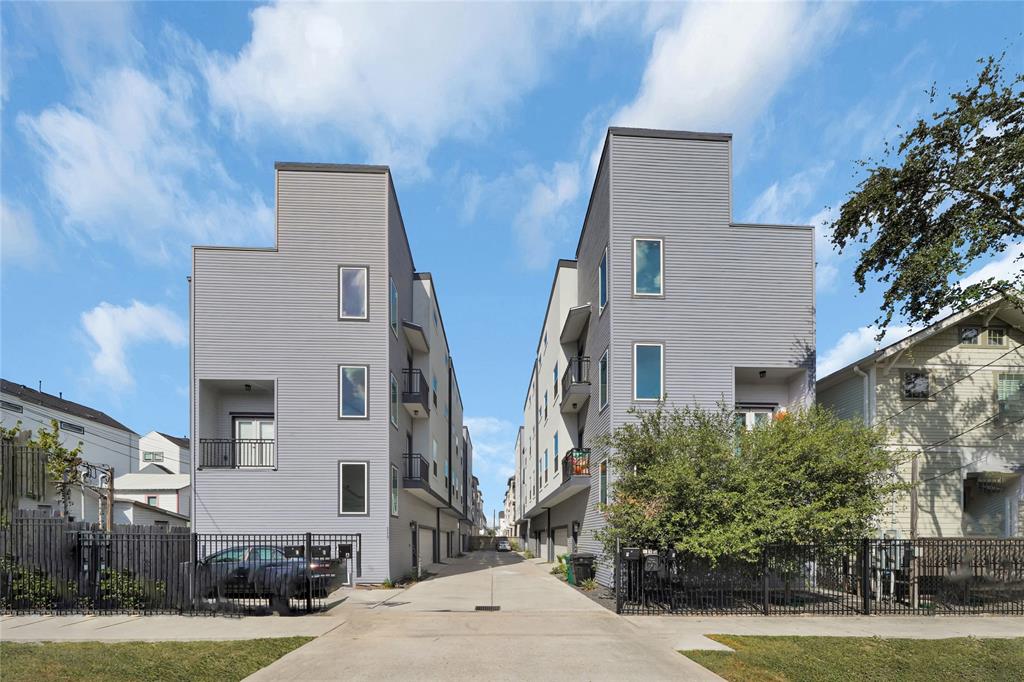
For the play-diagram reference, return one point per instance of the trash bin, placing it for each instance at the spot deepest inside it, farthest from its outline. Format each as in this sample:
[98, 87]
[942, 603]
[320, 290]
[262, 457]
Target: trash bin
[582, 567]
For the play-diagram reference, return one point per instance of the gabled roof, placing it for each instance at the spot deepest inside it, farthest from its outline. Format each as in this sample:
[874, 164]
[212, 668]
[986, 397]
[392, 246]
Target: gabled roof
[149, 507]
[30, 395]
[149, 481]
[180, 441]
[996, 305]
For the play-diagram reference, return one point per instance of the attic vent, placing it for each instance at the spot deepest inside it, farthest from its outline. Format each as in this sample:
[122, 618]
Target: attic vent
[11, 406]
[73, 428]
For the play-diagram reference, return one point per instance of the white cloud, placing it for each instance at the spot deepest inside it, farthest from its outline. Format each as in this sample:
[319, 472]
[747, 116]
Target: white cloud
[542, 221]
[126, 162]
[722, 63]
[394, 78]
[114, 329]
[1006, 266]
[854, 345]
[494, 444]
[88, 34]
[19, 240]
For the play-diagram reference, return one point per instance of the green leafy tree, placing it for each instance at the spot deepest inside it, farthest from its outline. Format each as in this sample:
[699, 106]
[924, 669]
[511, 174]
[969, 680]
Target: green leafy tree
[690, 480]
[62, 465]
[946, 195]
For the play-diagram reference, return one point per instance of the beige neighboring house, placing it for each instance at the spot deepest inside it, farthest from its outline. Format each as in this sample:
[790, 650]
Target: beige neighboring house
[156, 488]
[172, 453]
[953, 394]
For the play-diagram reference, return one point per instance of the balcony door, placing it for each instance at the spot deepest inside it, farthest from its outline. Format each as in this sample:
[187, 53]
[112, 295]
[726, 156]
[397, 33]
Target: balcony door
[254, 441]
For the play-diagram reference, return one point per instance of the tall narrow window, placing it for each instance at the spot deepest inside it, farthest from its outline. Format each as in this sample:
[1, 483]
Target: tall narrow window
[647, 371]
[394, 490]
[556, 453]
[602, 371]
[351, 293]
[394, 307]
[433, 454]
[352, 483]
[604, 483]
[602, 281]
[648, 266]
[545, 465]
[554, 379]
[394, 400]
[352, 398]
[545, 405]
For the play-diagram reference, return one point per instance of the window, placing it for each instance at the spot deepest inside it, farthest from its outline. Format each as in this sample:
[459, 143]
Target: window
[352, 483]
[554, 379]
[602, 371]
[254, 441]
[228, 556]
[915, 384]
[545, 405]
[556, 446]
[545, 341]
[394, 490]
[996, 336]
[647, 371]
[433, 454]
[750, 418]
[73, 428]
[352, 396]
[447, 475]
[266, 554]
[11, 406]
[434, 313]
[604, 483]
[969, 335]
[602, 282]
[1010, 393]
[151, 500]
[545, 465]
[150, 456]
[394, 400]
[648, 264]
[351, 293]
[394, 307]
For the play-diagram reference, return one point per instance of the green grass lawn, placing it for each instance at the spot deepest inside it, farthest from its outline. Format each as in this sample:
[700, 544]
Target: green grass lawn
[801, 659]
[99, 661]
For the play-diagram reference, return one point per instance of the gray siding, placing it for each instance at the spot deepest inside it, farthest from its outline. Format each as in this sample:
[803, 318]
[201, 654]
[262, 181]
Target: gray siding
[846, 398]
[273, 314]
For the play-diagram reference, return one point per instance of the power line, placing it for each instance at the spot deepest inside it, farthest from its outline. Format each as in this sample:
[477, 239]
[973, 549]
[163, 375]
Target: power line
[93, 443]
[953, 383]
[973, 461]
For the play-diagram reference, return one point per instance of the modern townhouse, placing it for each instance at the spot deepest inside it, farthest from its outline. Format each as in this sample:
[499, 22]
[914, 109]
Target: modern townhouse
[508, 514]
[172, 454]
[323, 393]
[952, 396]
[670, 300]
[107, 444]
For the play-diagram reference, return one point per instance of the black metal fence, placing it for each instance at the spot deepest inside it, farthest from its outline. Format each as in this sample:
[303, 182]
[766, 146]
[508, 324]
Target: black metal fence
[48, 565]
[911, 577]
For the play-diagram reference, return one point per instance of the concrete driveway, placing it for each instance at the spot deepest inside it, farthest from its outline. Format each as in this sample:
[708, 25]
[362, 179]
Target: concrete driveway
[544, 630]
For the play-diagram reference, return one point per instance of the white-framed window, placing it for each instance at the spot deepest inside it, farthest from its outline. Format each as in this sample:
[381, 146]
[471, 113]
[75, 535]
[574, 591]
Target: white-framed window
[915, 384]
[648, 371]
[394, 400]
[152, 456]
[394, 490]
[352, 487]
[393, 304]
[604, 483]
[352, 391]
[648, 266]
[996, 336]
[749, 418]
[969, 336]
[352, 292]
[151, 500]
[602, 381]
[254, 440]
[602, 282]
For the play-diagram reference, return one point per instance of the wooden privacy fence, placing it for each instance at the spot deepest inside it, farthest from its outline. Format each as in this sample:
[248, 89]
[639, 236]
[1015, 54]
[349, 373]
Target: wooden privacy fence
[926, 576]
[50, 565]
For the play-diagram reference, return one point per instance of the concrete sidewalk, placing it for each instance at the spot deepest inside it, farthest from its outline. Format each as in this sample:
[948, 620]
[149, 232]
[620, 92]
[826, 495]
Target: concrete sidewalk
[687, 632]
[84, 628]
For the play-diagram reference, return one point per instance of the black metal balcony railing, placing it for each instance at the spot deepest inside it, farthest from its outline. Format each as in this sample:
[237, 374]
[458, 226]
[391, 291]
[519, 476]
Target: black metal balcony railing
[576, 463]
[236, 453]
[416, 467]
[578, 372]
[415, 388]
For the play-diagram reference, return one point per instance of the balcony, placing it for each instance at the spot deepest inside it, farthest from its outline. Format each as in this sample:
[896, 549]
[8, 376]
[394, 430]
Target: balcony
[416, 479]
[415, 393]
[236, 453]
[575, 385]
[576, 463]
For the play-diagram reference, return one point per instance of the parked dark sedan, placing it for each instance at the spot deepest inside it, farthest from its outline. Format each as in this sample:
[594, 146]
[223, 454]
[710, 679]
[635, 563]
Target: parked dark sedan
[264, 571]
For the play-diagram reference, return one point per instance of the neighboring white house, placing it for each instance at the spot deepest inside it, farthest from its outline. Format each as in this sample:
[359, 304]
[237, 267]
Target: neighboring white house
[105, 441]
[156, 488]
[169, 452]
[130, 511]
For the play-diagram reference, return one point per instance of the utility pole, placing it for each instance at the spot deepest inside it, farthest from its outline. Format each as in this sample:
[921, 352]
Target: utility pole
[110, 499]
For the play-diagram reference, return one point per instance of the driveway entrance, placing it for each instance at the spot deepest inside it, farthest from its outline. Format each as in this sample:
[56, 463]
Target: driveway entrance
[433, 630]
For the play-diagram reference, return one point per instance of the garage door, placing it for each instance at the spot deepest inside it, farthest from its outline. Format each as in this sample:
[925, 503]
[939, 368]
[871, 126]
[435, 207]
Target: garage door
[543, 554]
[425, 546]
[561, 537]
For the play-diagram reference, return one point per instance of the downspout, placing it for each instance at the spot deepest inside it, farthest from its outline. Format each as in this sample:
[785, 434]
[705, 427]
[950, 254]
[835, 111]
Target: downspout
[866, 407]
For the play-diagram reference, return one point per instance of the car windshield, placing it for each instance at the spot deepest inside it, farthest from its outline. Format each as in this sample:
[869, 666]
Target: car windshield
[266, 554]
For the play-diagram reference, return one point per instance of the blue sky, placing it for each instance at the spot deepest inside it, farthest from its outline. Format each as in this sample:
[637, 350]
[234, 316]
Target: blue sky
[130, 132]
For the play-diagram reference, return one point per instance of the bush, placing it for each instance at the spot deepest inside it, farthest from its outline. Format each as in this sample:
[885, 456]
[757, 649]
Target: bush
[559, 570]
[126, 592]
[527, 554]
[514, 545]
[588, 585]
[30, 588]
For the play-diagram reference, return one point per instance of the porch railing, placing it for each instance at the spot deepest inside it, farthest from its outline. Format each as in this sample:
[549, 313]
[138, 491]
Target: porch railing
[576, 463]
[415, 388]
[577, 372]
[416, 467]
[236, 453]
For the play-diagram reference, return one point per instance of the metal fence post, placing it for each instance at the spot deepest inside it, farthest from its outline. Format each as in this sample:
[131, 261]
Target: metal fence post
[617, 577]
[865, 575]
[764, 579]
[308, 554]
[193, 562]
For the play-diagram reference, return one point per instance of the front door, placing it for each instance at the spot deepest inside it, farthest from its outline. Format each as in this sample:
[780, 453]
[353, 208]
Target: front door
[254, 441]
[749, 417]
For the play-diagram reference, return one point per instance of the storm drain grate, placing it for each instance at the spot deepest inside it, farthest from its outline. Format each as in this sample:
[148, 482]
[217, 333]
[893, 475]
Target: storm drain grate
[488, 608]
